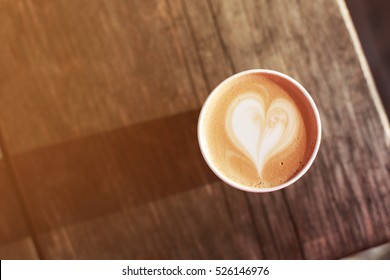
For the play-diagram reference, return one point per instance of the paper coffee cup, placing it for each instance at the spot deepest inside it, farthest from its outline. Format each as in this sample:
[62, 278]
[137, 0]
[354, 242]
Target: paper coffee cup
[207, 154]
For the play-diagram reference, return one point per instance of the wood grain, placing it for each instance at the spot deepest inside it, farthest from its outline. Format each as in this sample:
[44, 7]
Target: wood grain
[99, 103]
[15, 235]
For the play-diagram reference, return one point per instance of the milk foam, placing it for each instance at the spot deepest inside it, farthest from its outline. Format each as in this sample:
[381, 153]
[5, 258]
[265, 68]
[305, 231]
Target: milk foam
[261, 131]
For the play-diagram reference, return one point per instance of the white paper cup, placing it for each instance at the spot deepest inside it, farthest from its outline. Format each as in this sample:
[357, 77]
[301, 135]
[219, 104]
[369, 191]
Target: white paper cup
[248, 188]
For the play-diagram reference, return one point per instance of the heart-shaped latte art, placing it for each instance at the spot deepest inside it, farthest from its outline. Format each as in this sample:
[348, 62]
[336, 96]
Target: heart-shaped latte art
[262, 131]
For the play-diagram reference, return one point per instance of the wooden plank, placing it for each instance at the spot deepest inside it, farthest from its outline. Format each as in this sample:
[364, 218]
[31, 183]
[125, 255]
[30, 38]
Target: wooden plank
[106, 97]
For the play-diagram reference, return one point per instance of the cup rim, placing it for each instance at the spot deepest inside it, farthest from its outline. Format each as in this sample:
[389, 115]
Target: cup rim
[300, 173]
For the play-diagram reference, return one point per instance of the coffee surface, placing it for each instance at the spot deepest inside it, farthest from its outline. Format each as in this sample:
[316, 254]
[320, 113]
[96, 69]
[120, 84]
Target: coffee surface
[258, 130]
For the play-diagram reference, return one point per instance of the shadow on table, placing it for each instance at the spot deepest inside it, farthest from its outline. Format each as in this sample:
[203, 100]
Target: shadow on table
[99, 174]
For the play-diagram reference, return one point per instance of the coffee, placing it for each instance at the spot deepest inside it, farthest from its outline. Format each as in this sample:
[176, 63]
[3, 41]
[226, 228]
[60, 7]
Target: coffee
[258, 130]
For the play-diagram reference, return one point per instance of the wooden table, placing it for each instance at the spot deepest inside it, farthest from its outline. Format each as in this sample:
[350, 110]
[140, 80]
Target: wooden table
[98, 109]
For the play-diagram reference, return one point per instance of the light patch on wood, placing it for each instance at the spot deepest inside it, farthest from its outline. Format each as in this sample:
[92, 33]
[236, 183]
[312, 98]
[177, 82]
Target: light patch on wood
[381, 252]
[366, 69]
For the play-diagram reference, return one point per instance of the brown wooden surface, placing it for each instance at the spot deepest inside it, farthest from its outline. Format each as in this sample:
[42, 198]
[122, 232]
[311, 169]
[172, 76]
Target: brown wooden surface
[98, 108]
[16, 241]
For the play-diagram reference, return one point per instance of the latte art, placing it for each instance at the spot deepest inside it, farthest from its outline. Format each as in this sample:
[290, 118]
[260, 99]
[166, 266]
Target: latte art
[258, 130]
[262, 132]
